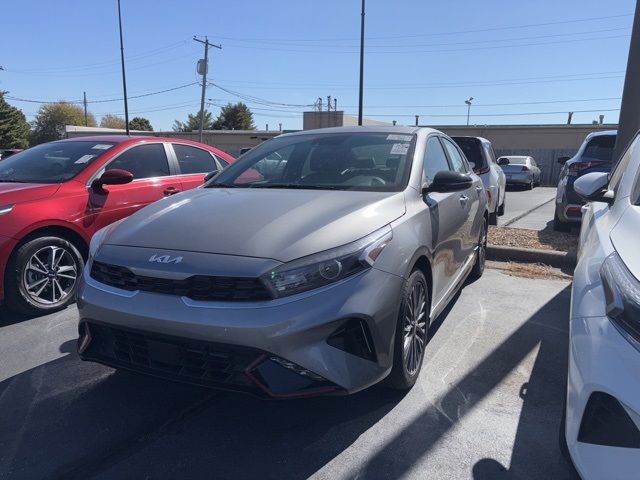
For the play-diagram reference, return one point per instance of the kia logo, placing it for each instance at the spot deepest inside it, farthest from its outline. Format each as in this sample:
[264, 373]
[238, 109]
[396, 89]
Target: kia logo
[164, 259]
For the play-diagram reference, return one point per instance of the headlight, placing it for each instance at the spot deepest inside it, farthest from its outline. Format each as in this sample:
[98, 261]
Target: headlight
[622, 294]
[4, 209]
[327, 267]
[100, 236]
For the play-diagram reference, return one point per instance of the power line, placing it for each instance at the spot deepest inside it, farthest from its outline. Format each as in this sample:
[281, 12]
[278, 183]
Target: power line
[472, 42]
[258, 100]
[519, 114]
[28, 100]
[458, 32]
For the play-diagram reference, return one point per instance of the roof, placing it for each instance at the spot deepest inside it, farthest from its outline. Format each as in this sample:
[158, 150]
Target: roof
[365, 129]
[482, 139]
[108, 138]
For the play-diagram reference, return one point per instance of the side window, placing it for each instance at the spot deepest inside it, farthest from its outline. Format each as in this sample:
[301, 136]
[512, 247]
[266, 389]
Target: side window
[618, 171]
[490, 153]
[222, 162]
[533, 162]
[144, 161]
[434, 159]
[457, 161]
[193, 159]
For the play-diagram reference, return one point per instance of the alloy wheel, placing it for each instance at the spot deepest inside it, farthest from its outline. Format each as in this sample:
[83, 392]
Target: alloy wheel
[50, 275]
[415, 328]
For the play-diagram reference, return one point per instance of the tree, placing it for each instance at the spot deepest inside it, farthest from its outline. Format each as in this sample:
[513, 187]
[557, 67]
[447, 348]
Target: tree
[234, 117]
[193, 122]
[140, 123]
[52, 117]
[113, 121]
[14, 128]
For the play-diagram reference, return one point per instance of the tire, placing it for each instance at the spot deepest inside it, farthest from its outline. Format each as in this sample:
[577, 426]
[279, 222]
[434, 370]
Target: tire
[559, 225]
[530, 186]
[42, 276]
[478, 266]
[501, 208]
[406, 368]
[562, 437]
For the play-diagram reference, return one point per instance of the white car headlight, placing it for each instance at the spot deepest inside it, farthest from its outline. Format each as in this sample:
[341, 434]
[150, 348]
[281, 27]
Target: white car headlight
[622, 295]
[327, 267]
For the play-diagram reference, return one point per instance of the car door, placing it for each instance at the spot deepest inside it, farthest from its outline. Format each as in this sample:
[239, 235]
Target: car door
[469, 200]
[193, 164]
[447, 216]
[153, 179]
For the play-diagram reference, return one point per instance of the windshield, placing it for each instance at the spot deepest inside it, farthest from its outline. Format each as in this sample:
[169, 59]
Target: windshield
[53, 162]
[472, 148]
[517, 160]
[344, 161]
[600, 148]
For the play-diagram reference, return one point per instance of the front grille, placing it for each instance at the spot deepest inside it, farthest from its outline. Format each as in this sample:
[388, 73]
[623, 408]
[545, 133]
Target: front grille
[176, 358]
[197, 287]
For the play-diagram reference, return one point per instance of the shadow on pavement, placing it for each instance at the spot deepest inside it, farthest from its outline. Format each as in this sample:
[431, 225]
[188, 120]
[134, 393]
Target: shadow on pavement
[8, 317]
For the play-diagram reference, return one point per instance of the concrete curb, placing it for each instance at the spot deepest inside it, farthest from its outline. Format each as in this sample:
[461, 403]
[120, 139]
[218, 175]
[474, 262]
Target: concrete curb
[524, 214]
[552, 258]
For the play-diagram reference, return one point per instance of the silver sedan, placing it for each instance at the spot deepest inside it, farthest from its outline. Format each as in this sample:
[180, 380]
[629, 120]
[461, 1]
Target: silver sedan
[317, 275]
[520, 170]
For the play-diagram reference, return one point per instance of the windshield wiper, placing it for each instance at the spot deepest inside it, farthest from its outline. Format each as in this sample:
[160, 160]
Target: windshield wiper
[296, 186]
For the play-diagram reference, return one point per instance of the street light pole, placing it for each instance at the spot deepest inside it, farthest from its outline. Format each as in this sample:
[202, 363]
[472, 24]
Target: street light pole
[468, 102]
[361, 65]
[124, 78]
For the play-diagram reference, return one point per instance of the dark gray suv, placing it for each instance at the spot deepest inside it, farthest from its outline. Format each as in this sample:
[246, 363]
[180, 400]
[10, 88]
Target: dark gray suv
[313, 265]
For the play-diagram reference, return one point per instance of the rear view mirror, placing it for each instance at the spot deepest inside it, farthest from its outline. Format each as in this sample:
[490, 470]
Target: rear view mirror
[210, 175]
[593, 187]
[502, 161]
[114, 176]
[446, 181]
[563, 160]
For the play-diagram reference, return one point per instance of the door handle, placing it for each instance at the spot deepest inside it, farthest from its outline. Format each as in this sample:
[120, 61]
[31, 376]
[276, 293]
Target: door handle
[463, 199]
[170, 191]
[478, 189]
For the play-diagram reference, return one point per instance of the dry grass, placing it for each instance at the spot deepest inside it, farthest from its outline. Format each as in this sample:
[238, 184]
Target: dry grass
[546, 239]
[529, 270]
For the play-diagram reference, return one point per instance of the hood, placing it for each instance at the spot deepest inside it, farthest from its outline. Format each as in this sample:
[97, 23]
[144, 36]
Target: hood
[277, 224]
[624, 238]
[12, 193]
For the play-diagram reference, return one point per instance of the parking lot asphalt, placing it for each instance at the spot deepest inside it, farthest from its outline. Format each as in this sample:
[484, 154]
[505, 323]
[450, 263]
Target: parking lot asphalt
[487, 405]
[520, 201]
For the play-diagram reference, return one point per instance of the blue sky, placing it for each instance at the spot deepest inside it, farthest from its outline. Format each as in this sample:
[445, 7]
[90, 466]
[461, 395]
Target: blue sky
[422, 57]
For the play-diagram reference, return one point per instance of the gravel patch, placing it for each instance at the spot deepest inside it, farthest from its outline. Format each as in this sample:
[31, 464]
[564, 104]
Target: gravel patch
[546, 239]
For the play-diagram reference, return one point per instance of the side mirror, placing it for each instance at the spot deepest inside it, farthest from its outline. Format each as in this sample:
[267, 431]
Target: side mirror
[563, 160]
[210, 175]
[593, 187]
[446, 181]
[115, 176]
[502, 161]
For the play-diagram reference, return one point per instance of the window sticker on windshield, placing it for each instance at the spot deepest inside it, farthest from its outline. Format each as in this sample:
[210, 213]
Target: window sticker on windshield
[399, 138]
[399, 149]
[101, 146]
[84, 159]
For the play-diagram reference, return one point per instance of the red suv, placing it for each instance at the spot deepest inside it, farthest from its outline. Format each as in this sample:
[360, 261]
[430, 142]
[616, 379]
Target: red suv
[55, 196]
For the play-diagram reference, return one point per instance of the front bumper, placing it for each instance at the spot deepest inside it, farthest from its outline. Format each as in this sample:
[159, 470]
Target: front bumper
[293, 329]
[601, 361]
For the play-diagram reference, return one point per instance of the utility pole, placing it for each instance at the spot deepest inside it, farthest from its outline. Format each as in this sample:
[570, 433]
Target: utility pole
[417, 120]
[84, 101]
[205, 68]
[468, 102]
[124, 78]
[335, 104]
[569, 117]
[361, 93]
[629, 122]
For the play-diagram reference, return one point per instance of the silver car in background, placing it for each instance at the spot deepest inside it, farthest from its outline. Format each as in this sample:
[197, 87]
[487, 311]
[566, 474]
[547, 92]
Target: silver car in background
[481, 157]
[520, 170]
[318, 275]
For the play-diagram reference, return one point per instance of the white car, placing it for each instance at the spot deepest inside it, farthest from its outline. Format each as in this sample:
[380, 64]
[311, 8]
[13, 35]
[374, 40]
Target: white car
[482, 158]
[601, 429]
